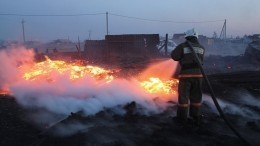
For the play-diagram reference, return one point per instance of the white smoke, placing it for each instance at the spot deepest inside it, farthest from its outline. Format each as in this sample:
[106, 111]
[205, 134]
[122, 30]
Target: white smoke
[247, 98]
[87, 95]
[10, 60]
[239, 107]
[65, 96]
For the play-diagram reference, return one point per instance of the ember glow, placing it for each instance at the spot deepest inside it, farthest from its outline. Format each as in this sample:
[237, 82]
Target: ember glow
[43, 70]
[156, 85]
[4, 92]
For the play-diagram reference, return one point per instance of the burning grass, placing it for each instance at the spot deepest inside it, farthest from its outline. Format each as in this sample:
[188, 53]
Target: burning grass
[62, 87]
[46, 70]
[156, 85]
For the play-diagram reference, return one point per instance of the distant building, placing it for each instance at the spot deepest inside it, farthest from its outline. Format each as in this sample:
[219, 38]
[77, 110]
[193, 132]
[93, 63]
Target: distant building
[94, 49]
[132, 43]
[122, 46]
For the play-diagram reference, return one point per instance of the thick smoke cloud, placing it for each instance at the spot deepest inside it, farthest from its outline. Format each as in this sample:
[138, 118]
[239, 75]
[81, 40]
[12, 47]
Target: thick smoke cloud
[10, 60]
[65, 96]
[88, 95]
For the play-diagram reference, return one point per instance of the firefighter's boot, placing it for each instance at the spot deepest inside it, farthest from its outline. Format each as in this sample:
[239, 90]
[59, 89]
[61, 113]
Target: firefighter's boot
[182, 114]
[195, 111]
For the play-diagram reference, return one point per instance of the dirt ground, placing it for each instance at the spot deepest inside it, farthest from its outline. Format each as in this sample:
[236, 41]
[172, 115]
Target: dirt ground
[110, 129]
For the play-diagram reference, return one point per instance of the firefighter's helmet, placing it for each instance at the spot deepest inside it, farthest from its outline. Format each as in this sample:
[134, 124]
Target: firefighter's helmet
[191, 32]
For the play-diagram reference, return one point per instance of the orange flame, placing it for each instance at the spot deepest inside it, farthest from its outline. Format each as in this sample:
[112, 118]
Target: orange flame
[156, 85]
[46, 68]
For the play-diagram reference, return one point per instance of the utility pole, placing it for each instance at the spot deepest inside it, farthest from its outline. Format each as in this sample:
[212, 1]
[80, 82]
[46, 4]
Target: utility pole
[225, 31]
[107, 21]
[223, 34]
[23, 31]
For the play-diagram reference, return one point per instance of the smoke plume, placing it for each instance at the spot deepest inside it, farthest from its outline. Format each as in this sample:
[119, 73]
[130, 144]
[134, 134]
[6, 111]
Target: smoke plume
[65, 96]
[10, 60]
[245, 105]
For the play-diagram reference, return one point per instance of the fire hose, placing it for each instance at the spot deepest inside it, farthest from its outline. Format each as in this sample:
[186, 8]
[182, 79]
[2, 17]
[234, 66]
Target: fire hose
[198, 61]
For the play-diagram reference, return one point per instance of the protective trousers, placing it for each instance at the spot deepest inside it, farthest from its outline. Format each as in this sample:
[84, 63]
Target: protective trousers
[190, 96]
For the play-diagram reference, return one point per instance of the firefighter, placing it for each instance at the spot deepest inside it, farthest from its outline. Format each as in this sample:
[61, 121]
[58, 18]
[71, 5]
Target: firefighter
[190, 78]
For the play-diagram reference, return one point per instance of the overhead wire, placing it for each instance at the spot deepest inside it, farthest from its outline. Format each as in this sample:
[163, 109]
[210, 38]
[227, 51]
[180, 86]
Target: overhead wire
[167, 21]
[112, 14]
[49, 15]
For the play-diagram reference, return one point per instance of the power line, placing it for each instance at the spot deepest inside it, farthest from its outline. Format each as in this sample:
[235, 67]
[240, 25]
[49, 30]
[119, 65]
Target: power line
[113, 14]
[23, 31]
[169, 21]
[48, 15]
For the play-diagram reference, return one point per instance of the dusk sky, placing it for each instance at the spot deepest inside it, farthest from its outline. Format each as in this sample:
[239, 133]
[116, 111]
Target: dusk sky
[47, 20]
